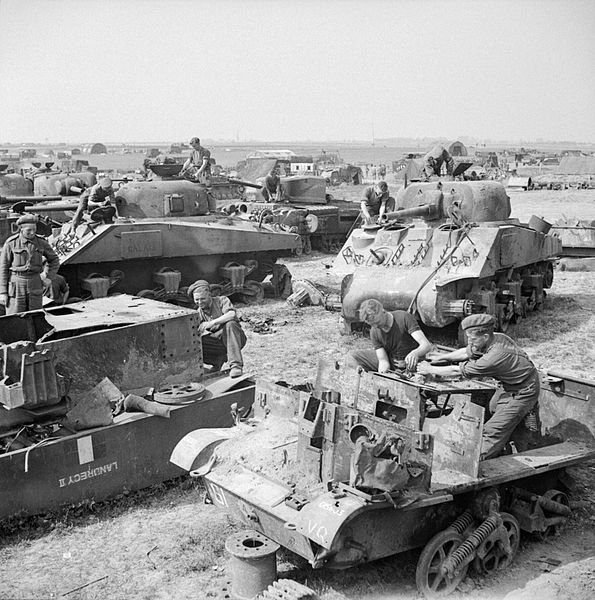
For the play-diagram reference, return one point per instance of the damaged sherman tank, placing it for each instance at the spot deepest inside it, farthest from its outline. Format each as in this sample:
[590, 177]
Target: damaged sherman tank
[449, 250]
[374, 465]
[322, 221]
[159, 237]
[95, 395]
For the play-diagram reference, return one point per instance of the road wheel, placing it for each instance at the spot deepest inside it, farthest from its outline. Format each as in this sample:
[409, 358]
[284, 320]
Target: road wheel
[493, 557]
[431, 579]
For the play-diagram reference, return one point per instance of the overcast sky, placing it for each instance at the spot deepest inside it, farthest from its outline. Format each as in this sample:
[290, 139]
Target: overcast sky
[159, 70]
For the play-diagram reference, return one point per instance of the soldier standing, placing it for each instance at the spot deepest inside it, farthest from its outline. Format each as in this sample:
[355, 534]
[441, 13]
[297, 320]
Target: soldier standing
[21, 263]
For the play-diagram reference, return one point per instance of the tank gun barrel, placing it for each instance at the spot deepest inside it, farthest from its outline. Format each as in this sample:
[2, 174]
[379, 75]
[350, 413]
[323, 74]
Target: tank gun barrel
[14, 199]
[244, 183]
[56, 206]
[426, 211]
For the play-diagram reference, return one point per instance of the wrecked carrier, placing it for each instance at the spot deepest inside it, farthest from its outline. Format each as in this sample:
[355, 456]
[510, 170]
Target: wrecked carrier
[95, 395]
[362, 466]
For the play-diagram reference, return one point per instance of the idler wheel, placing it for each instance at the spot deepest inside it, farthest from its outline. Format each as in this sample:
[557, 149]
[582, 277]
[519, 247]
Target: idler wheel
[431, 579]
[550, 530]
[180, 393]
[491, 555]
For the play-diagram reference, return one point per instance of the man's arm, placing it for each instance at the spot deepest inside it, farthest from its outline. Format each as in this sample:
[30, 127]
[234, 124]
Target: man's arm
[52, 258]
[424, 347]
[365, 211]
[427, 369]
[383, 362]
[5, 261]
[454, 356]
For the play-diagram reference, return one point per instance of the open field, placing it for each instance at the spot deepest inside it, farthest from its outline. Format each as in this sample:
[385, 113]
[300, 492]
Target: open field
[166, 543]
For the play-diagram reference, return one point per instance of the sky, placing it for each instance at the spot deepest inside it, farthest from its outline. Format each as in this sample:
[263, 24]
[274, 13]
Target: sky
[276, 70]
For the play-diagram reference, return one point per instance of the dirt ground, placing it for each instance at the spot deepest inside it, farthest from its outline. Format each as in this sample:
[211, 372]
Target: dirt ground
[166, 543]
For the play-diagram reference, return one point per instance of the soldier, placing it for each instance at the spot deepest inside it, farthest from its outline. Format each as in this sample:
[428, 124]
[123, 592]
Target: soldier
[271, 189]
[377, 202]
[200, 160]
[222, 334]
[495, 355]
[434, 160]
[21, 263]
[98, 195]
[397, 340]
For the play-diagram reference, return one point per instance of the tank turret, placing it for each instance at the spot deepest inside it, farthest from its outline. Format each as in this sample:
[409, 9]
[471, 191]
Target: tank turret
[449, 250]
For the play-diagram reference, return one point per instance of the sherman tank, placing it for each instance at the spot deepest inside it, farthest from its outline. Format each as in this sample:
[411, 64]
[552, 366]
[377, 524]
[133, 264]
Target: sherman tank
[360, 466]
[322, 221]
[159, 237]
[449, 250]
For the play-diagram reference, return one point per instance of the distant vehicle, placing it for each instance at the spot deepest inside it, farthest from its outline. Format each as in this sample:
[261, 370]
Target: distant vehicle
[75, 151]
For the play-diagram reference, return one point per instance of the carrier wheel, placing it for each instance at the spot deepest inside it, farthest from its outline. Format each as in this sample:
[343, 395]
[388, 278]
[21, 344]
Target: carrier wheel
[550, 530]
[430, 578]
[491, 555]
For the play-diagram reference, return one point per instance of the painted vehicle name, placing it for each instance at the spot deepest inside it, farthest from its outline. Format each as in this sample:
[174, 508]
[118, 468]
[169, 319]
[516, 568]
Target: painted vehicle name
[88, 474]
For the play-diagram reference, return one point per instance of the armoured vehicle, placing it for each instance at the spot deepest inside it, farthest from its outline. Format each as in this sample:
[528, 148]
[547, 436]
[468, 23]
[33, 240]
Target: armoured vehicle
[449, 250]
[577, 236]
[163, 238]
[216, 189]
[305, 208]
[63, 436]
[373, 465]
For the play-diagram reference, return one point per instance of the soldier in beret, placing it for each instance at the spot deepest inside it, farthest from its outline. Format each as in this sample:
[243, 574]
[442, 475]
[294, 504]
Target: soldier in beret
[221, 332]
[495, 355]
[21, 263]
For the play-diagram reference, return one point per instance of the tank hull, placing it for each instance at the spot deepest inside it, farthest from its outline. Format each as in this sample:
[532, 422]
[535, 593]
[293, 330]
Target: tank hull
[196, 247]
[464, 256]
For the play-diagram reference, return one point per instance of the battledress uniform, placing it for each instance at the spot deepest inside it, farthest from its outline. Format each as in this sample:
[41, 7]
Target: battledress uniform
[21, 263]
[506, 362]
[228, 340]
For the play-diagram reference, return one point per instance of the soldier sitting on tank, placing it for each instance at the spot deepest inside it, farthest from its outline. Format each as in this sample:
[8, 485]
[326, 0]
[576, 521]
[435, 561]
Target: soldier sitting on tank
[376, 202]
[21, 263]
[495, 355]
[101, 194]
[397, 340]
[434, 160]
[271, 189]
[221, 333]
[197, 167]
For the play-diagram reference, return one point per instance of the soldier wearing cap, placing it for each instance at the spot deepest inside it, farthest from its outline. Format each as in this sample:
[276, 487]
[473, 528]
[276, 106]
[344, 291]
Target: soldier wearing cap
[377, 201]
[200, 159]
[101, 194]
[21, 263]
[221, 332]
[495, 355]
